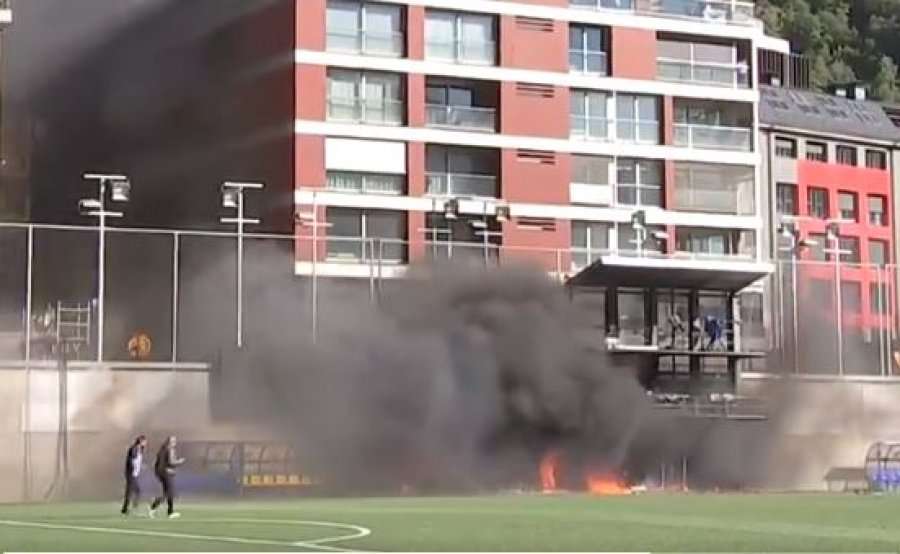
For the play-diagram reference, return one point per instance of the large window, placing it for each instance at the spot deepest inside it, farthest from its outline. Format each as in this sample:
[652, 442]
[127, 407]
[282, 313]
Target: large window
[817, 152]
[845, 155]
[591, 170]
[366, 183]
[877, 211]
[878, 252]
[461, 171]
[848, 206]
[365, 28]
[817, 202]
[461, 104]
[715, 188]
[365, 97]
[876, 159]
[632, 317]
[637, 119]
[785, 147]
[786, 199]
[849, 248]
[461, 37]
[589, 115]
[355, 235]
[701, 62]
[652, 242]
[588, 46]
[817, 249]
[713, 124]
[716, 243]
[590, 240]
[639, 182]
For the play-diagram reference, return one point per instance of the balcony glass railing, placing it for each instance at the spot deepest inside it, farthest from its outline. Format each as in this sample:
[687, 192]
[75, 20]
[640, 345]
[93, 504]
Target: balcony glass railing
[582, 61]
[461, 184]
[465, 51]
[462, 117]
[722, 75]
[727, 200]
[357, 110]
[713, 136]
[590, 128]
[713, 11]
[357, 41]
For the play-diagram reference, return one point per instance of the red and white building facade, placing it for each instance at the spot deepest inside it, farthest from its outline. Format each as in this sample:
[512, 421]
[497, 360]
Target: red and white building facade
[563, 117]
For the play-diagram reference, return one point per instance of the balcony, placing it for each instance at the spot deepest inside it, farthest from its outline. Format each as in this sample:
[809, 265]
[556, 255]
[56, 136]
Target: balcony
[715, 244]
[358, 41]
[375, 112]
[461, 117]
[703, 73]
[461, 184]
[715, 188]
[713, 136]
[738, 12]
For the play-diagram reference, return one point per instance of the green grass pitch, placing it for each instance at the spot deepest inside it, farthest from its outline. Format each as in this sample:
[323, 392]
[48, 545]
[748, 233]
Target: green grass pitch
[655, 523]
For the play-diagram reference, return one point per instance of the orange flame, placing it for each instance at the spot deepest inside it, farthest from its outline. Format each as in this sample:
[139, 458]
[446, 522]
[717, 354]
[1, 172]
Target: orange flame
[548, 468]
[604, 484]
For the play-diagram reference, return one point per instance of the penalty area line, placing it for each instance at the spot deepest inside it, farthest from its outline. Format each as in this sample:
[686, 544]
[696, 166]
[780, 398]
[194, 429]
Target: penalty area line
[315, 544]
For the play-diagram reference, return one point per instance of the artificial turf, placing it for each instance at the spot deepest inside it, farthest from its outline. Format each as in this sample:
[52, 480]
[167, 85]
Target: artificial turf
[655, 523]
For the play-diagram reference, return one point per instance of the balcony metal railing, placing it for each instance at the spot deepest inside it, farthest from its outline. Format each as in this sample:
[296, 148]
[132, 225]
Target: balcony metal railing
[714, 11]
[462, 117]
[358, 41]
[462, 51]
[358, 110]
[713, 136]
[461, 184]
[684, 71]
[590, 128]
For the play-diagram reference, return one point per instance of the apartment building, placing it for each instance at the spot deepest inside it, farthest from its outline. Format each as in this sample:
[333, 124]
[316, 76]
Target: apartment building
[828, 172]
[609, 142]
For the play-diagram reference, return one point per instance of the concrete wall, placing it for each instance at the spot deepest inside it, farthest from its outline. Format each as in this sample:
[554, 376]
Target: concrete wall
[820, 424]
[106, 409]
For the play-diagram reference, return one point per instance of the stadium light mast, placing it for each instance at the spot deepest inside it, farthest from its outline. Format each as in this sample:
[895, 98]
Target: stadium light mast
[833, 234]
[120, 191]
[311, 221]
[797, 244]
[233, 198]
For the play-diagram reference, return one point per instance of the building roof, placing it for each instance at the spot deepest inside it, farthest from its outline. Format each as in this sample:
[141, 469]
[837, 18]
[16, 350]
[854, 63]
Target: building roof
[825, 113]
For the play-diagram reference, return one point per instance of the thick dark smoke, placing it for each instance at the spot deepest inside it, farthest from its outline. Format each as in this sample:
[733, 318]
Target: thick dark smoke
[463, 379]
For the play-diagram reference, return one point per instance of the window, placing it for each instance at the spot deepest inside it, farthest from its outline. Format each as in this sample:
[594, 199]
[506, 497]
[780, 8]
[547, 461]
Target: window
[637, 119]
[817, 202]
[876, 159]
[589, 116]
[587, 49]
[639, 182]
[786, 199]
[365, 28]
[817, 248]
[785, 148]
[590, 240]
[365, 97]
[351, 232]
[847, 206]
[845, 155]
[461, 37]
[878, 252]
[716, 242]
[590, 170]
[851, 298]
[653, 242]
[366, 183]
[816, 152]
[879, 298]
[849, 247]
[632, 317]
[461, 104]
[877, 213]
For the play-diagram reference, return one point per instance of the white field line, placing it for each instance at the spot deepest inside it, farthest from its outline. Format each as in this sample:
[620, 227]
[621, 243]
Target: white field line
[315, 544]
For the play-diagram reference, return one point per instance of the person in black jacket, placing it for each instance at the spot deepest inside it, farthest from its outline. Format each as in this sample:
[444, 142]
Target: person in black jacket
[134, 462]
[166, 463]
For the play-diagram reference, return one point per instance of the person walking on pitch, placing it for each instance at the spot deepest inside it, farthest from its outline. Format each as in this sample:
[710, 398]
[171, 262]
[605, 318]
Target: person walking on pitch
[134, 461]
[166, 463]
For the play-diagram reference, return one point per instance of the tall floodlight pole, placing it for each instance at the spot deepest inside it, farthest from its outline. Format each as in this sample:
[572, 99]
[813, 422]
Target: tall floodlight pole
[311, 221]
[796, 245]
[833, 234]
[120, 189]
[233, 198]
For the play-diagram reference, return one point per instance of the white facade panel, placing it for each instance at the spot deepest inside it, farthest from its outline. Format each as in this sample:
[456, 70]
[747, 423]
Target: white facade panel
[365, 156]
